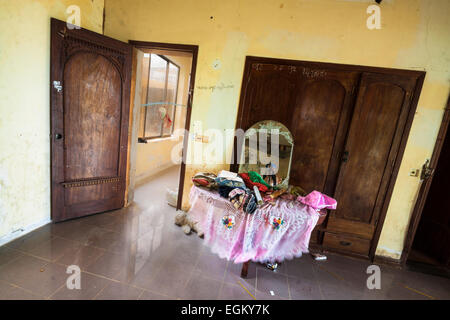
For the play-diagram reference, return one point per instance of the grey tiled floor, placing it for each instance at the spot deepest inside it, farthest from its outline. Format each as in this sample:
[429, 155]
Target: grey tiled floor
[138, 253]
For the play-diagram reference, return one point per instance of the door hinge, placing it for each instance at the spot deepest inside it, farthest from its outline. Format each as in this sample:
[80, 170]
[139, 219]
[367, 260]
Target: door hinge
[427, 171]
[57, 85]
[62, 33]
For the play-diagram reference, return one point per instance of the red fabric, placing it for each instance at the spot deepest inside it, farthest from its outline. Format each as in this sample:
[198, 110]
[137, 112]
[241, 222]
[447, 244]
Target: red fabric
[249, 183]
[201, 182]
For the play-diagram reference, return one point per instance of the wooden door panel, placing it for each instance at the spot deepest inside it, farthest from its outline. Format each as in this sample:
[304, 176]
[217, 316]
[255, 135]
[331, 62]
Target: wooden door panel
[92, 120]
[345, 243]
[373, 139]
[90, 91]
[359, 229]
[315, 122]
[433, 232]
[270, 95]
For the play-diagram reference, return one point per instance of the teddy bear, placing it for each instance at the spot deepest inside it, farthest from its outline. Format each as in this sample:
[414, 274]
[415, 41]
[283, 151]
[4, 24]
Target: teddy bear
[186, 224]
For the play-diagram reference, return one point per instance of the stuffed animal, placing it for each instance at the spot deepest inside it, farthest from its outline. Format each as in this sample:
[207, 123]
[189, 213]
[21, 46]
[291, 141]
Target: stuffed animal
[186, 224]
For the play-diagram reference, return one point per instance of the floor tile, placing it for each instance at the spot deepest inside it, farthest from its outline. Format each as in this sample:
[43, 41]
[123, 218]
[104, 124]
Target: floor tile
[21, 267]
[90, 286]
[7, 255]
[82, 256]
[33, 274]
[304, 288]
[102, 239]
[30, 241]
[53, 249]
[212, 267]
[168, 280]
[10, 292]
[119, 291]
[109, 265]
[233, 276]
[235, 292]
[200, 287]
[300, 267]
[332, 286]
[259, 295]
[267, 281]
[147, 295]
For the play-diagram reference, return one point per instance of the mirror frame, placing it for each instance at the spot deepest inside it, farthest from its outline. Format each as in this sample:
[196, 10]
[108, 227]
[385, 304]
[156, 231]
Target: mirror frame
[270, 125]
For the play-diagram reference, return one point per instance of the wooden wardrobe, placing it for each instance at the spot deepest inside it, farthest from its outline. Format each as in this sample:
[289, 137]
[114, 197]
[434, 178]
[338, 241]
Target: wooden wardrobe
[350, 125]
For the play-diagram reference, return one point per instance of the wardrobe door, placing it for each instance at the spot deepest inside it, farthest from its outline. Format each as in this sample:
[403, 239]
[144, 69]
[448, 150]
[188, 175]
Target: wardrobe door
[320, 120]
[269, 94]
[374, 136]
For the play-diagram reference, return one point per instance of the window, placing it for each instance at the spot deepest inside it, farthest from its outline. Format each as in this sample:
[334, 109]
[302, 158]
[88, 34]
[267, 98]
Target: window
[160, 107]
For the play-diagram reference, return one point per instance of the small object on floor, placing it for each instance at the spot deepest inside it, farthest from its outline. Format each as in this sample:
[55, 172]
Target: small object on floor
[318, 256]
[186, 224]
[172, 197]
[272, 266]
[186, 229]
[272, 293]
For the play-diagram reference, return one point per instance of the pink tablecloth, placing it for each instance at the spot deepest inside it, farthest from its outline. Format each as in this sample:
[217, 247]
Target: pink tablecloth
[253, 236]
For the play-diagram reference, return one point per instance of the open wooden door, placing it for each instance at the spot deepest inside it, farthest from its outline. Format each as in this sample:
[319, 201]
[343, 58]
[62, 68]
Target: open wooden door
[90, 92]
[427, 242]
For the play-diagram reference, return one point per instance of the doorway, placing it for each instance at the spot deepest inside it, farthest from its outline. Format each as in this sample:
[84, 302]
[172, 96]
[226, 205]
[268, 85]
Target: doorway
[162, 88]
[428, 240]
[97, 98]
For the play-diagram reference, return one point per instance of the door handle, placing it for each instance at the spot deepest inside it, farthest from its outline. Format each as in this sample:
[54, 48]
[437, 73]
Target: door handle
[345, 156]
[427, 171]
[58, 136]
[57, 85]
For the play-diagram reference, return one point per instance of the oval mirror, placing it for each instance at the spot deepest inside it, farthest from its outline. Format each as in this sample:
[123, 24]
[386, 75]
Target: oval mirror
[267, 149]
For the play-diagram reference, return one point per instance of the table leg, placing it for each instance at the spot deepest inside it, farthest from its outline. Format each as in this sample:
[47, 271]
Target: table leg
[244, 270]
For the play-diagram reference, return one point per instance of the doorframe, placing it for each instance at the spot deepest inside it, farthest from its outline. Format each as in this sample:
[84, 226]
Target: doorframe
[193, 49]
[425, 186]
[420, 77]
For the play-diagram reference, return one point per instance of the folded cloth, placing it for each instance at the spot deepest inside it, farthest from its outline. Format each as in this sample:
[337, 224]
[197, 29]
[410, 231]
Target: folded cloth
[249, 183]
[200, 182]
[205, 179]
[227, 174]
[230, 183]
[318, 201]
[256, 177]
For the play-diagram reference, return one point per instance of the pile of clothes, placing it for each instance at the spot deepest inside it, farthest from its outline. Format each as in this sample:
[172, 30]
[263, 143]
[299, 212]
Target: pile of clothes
[246, 190]
[230, 185]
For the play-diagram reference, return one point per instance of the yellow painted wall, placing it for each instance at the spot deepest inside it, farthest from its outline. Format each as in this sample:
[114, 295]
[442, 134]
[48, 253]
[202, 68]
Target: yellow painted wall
[414, 35]
[25, 106]
[156, 155]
